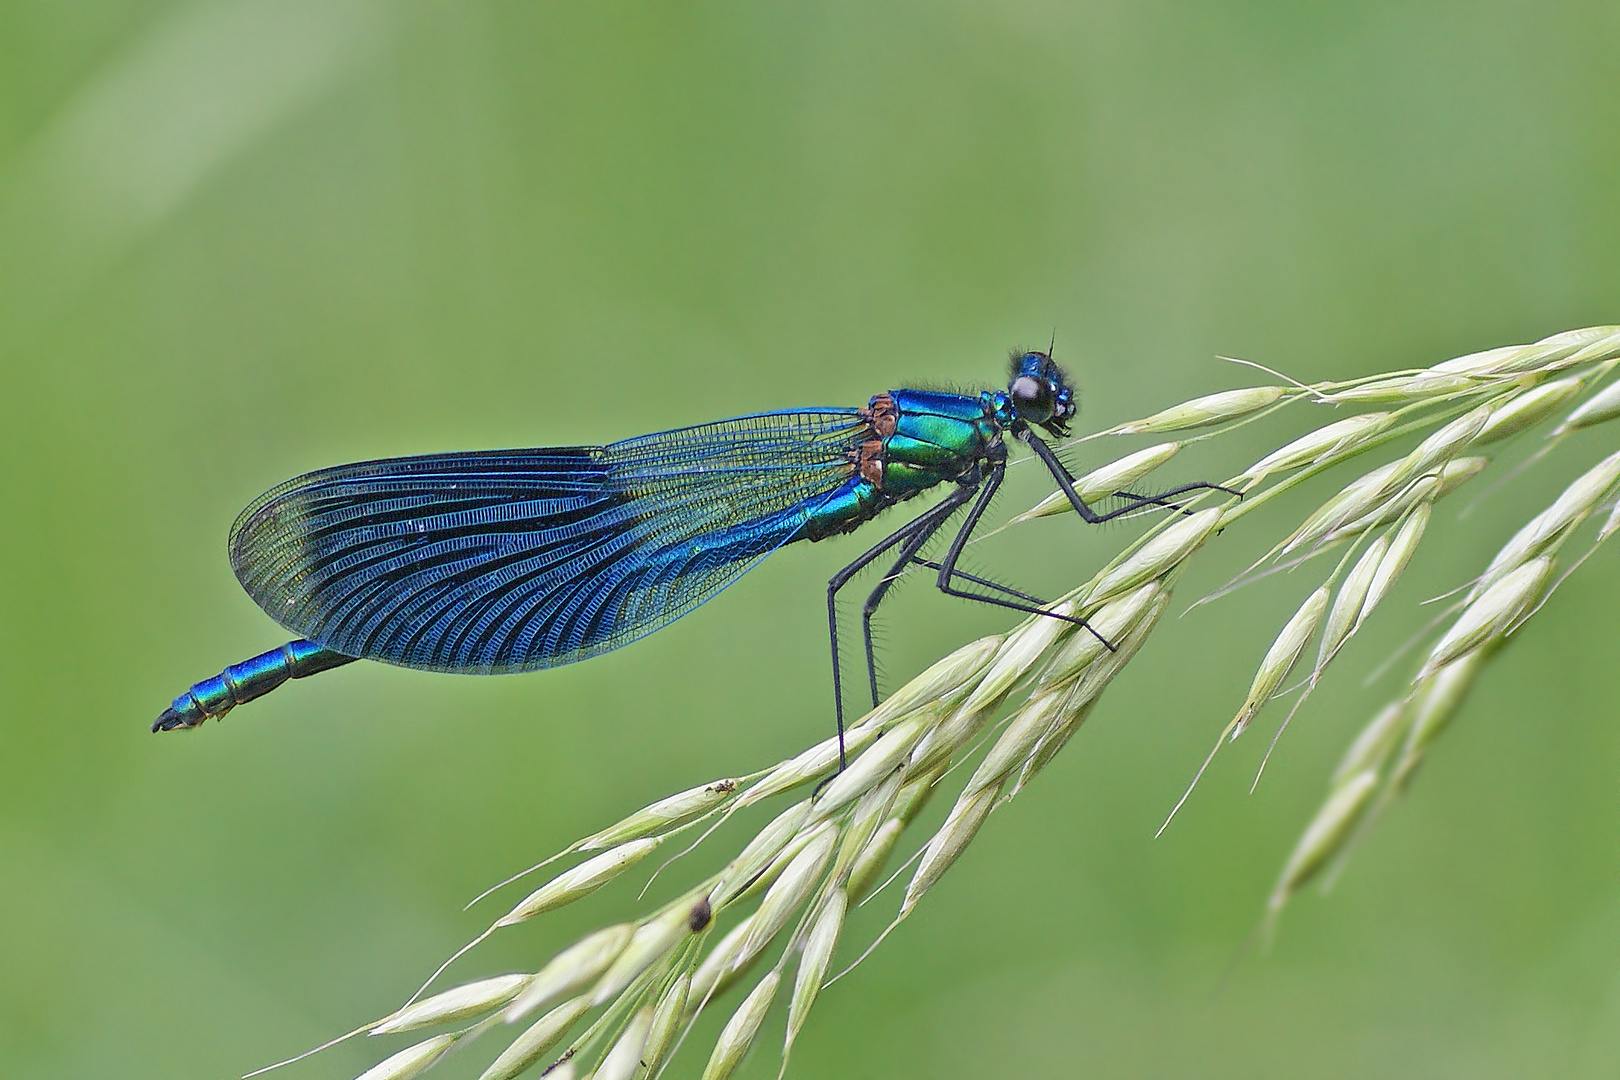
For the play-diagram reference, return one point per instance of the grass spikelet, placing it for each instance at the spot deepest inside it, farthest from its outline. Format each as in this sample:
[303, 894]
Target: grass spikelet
[621, 1062]
[1438, 695]
[1201, 412]
[471, 999]
[783, 898]
[1396, 556]
[1314, 446]
[1491, 615]
[953, 837]
[663, 814]
[1405, 388]
[1600, 408]
[1325, 835]
[1374, 744]
[625, 995]
[813, 964]
[580, 881]
[573, 969]
[412, 1061]
[1345, 614]
[740, 1031]
[648, 944]
[1524, 411]
[1156, 558]
[666, 1023]
[1280, 659]
[1548, 529]
[724, 963]
[536, 1042]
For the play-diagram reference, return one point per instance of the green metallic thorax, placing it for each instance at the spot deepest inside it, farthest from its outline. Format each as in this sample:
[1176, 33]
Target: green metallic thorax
[915, 440]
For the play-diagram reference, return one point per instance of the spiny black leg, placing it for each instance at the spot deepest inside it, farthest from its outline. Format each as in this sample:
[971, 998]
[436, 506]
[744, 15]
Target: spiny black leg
[1065, 483]
[908, 555]
[948, 571]
[1164, 497]
[929, 564]
[927, 520]
[893, 575]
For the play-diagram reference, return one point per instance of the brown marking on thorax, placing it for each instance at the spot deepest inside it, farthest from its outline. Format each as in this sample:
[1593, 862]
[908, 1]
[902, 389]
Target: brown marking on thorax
[869, 462]
[882, 415]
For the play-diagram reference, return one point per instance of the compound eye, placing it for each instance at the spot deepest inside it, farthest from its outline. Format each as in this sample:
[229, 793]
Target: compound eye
[1032, 398]
[1029, 394]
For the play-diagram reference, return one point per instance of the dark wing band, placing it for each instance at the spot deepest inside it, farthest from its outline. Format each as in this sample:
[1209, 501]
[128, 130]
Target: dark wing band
[520, 559]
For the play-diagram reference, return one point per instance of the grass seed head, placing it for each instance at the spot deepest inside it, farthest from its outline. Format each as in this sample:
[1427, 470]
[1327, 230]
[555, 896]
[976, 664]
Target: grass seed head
[1436, 700]
[1322, 443]
[940, 683]
[1199, 412]
[1018, 740]
[1022, 649]
[863, 873]
[1102, 482]
[1393, 564]
[649, 944]
[1525, 410]
[1600, 408]
[1441, 447]
[721, 966]
[1569, 349]
[1111, 622]
[946, 845]
[1325, 835]
[412, 1061]
[868, 770]
[473, 999]
[1070, 718]
[663, 814]
[1158, 556]
[1549, 528]
[571, 970]
[739, 1033]
[1481, 364]
[813, 963]
[1345, 614]
[790, 891]
[622, 1061]
[807, 766]
[875, 807]
[1372, 746]
[1424, 489]
[1407, 388]
[1280, 659]
[1457, 472]
[1491, 615]
[538, 1040]
[581, 880]
[666, 1023]
[759, 854]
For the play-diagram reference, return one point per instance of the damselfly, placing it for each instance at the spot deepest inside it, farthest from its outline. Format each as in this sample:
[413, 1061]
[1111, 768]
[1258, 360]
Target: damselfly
[512, 560]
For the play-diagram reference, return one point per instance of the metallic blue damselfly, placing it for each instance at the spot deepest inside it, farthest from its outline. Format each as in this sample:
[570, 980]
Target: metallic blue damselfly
[512, 560]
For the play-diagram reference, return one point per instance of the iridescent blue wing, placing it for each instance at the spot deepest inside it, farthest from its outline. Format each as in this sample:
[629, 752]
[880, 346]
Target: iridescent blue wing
[520, 559]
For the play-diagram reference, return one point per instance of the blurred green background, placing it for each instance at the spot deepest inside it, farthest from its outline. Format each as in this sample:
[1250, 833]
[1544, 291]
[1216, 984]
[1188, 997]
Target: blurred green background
[240, 240]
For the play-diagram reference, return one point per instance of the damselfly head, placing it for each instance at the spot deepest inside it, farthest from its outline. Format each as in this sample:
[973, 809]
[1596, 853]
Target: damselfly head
[1039, 392]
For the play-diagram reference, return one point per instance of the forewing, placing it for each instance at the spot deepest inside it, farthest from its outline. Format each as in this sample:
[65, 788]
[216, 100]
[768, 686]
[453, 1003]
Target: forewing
[520, 559]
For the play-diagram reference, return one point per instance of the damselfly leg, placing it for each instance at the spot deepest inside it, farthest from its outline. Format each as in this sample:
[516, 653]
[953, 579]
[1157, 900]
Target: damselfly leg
[975, 493]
